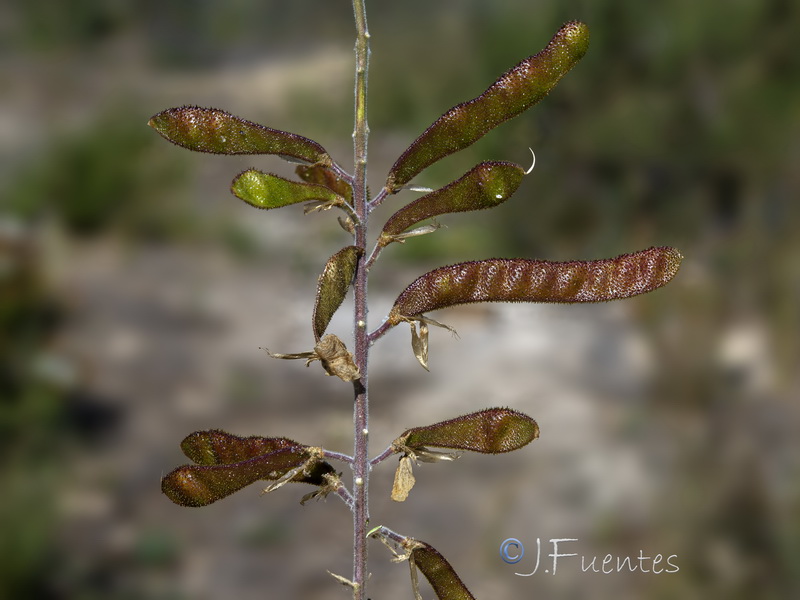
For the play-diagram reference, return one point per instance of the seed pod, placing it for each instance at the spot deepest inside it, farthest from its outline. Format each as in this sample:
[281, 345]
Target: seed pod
[514, 92]
[323, 175]
[219, 132]
[200, 485]
[444, 580]
[332, 286]
[484, 186]
[489, 431]
[216, 447]
[265, 190]
[524, 280]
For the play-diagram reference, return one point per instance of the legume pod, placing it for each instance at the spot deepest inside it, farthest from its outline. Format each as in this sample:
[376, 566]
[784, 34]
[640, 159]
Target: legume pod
[219, 132]
[514, 92]
[332, 286]
[265, 190]
[525, 280]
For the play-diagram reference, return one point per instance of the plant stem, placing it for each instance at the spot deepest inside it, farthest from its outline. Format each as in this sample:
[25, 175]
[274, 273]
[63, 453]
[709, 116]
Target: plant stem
[361, 409]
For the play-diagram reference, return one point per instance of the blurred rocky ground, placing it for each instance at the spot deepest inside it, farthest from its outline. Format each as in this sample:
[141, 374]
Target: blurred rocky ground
[136, 296]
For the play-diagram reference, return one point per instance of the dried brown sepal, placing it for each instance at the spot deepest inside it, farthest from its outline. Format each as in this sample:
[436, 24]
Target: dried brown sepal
[326, 176]
[489, 431]
[444, 580]
[332, 354]
[419, 342]
[332, 286]
[486, 185]
[217, 447]
[403, 479]
[219, 132]
[266, 191]
[525, 280]
[336, 359]
[332, 483]
[200, 485]
[514, 92]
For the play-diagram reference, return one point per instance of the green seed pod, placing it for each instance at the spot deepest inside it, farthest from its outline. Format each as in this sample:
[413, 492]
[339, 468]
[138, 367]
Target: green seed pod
[323, 175]
[514, 92]
[444, 580]
[489, 431]
[219, 132]
[200, 485]
[484, 186]
[265, 190]
[332, 286]
[216, 447]
[524, 280]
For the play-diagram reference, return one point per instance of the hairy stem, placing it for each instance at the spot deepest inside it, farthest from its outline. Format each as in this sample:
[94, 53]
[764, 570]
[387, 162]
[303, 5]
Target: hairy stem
[361, 409]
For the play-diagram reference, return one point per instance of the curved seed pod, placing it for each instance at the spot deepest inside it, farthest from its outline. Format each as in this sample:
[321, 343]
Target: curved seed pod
[444, 580]
[490, 431]
[200, 485]
[217, 447]
[484, 186]
[265, 190]
[323, 175]
[219, 132]
[332, 286]
[514, 92]
[525, 280]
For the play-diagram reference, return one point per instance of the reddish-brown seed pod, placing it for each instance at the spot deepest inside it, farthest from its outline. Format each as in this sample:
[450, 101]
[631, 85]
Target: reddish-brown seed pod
[200, 485]
[484, 186]
[514, 92]
[525, 280]
[219, 132]
[332, 286]
[323, 175]
[217, 447]
[490, 431]
[444, 580]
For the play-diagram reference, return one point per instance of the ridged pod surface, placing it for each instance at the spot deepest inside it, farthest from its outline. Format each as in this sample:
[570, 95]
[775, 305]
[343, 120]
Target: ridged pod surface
[332, 286]
[484, 186]
[265, 190]
[526, 280]
[514, 92]
[446, 583]
[490, 431]
[219, 132]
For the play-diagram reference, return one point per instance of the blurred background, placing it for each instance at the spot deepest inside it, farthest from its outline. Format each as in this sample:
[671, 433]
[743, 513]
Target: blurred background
[135, 293]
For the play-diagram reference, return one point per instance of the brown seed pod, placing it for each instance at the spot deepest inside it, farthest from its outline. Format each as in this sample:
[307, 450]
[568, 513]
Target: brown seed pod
[444, 580]
[525, 280]
[323, 175]
[219, 132]
[484, 186]
[332, 286]
[200, 485]
[489, 431]
[265, 190]
[217, 447]
[514, 92]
